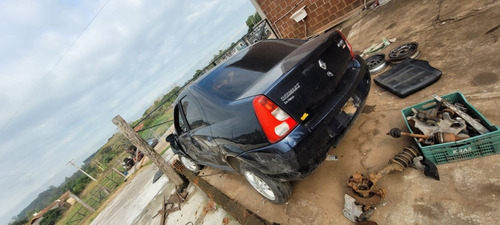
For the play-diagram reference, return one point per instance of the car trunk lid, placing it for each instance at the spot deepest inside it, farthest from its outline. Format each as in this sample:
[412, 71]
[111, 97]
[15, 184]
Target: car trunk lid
[310, 76]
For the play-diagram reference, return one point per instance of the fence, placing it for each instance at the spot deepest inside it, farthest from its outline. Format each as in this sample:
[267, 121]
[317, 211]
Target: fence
[96, 196]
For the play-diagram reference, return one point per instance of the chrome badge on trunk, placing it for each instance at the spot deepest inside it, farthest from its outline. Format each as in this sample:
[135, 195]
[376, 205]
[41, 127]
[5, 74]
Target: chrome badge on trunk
[287, 97]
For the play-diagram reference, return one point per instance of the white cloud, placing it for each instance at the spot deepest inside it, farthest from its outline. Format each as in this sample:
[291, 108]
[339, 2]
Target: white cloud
[129, 56]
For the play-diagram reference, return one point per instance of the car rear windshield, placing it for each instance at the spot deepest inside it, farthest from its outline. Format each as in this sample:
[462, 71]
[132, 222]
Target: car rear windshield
[240, 72]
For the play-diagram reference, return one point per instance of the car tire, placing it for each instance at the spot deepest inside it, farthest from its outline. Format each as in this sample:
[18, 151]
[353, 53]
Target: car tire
[190, 164]
[271, 189]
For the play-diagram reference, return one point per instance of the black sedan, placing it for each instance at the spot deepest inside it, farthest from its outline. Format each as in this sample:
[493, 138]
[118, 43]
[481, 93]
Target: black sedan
[272, 111]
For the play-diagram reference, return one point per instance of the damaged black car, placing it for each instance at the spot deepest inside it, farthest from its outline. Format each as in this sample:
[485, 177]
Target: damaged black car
[272, 111]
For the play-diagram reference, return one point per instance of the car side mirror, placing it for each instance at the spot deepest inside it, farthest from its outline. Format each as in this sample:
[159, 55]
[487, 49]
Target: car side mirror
[170, 138]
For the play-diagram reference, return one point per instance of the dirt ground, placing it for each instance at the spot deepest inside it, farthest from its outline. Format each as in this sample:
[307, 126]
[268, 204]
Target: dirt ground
[461, 38]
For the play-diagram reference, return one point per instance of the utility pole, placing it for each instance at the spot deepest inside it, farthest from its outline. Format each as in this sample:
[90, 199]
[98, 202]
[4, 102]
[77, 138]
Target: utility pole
[137, 140]
[88, 175]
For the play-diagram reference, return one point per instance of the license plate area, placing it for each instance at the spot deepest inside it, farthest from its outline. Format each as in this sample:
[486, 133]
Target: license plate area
[350, 107]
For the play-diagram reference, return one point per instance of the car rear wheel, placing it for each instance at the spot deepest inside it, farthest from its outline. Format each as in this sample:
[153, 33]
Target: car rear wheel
[190, 164]
[273, 190]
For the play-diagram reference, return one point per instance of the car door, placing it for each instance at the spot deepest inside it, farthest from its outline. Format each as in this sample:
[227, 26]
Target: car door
[194, 132]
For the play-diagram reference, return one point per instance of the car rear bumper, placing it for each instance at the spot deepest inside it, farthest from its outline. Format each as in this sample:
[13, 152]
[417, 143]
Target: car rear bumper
[305, 148]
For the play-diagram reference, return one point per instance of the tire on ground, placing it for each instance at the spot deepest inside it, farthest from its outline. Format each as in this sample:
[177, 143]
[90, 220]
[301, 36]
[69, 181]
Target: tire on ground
[280, 190]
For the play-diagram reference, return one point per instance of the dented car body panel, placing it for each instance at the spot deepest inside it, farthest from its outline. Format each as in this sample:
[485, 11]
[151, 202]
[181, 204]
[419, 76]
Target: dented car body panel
[318, 83]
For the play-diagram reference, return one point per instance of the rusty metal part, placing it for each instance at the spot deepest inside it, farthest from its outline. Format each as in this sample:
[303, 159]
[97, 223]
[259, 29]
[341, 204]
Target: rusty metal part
[448, 110]
[446, 137]
[364, 188]
[366, 202]
[476, 125]
[169, 205]
[408, 50]
[447, 125]
[397, 133]
[436, 138]
[431, 114]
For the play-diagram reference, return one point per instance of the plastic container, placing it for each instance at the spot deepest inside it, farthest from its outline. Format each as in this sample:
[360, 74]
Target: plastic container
[474, 147]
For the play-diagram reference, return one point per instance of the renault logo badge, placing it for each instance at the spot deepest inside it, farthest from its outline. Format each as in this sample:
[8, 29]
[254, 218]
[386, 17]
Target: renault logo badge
[322, 64]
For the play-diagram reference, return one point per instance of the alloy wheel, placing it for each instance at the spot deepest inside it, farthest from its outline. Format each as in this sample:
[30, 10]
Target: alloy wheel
[189, 164]
[259, 185]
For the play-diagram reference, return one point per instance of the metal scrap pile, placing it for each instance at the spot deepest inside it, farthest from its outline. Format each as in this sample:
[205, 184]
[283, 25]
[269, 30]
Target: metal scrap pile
[444, 123]
[433, 122]
[362, 192]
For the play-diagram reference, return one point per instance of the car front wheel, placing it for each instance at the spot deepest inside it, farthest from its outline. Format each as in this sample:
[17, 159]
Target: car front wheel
[273, 190]
[190, 164]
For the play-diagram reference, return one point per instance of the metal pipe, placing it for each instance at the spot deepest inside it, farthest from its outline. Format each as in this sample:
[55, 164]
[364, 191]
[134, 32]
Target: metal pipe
[274, 23]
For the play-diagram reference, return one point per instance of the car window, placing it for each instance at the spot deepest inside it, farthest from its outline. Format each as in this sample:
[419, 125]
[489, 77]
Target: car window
[180, 126]
[192, 113]
[239, 73]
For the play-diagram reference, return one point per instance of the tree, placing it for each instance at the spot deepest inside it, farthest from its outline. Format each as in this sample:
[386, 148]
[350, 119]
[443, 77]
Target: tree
[19, 222]
[197, 74]
[252, 20]
[51, 217]
[106, 150]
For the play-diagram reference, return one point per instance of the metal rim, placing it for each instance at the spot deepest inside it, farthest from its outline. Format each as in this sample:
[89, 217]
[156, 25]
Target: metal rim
[376, 63]
[416, 55]
[404, 51]
[189, 164]
[260, 185]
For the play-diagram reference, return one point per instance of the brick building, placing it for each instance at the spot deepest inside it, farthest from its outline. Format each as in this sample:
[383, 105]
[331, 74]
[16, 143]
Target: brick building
[319, 15]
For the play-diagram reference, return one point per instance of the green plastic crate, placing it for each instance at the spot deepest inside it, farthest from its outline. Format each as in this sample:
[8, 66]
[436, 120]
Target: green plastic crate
[474, 147]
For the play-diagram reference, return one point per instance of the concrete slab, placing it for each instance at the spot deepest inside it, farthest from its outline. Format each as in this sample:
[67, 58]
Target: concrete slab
[141, 199]
[132, 199]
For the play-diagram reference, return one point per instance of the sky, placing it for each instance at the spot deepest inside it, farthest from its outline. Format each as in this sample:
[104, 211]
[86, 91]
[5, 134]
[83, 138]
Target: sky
[68, 67]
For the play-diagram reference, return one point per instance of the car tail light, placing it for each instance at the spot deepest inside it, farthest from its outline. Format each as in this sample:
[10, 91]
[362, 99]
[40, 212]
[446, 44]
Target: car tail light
[275, 122]
[348, 45]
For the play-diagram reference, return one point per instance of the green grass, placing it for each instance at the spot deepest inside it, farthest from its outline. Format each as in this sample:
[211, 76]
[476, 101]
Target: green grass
[159, 130]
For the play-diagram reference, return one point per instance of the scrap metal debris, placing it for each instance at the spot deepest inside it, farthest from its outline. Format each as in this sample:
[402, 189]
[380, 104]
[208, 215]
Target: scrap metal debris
[352, 211]
[170, 205]
[476, 125]
[445, 122]
[331, 158]
[377, 47]
[376, 63]
[432, 124]
[404, 51]
[364, 188]
[435, 138]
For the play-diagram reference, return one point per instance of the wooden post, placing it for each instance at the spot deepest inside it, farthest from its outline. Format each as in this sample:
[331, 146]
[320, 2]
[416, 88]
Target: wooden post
[136, 140]
[82, 202]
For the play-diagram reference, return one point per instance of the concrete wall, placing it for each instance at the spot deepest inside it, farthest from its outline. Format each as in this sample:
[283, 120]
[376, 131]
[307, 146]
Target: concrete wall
[321, 14]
